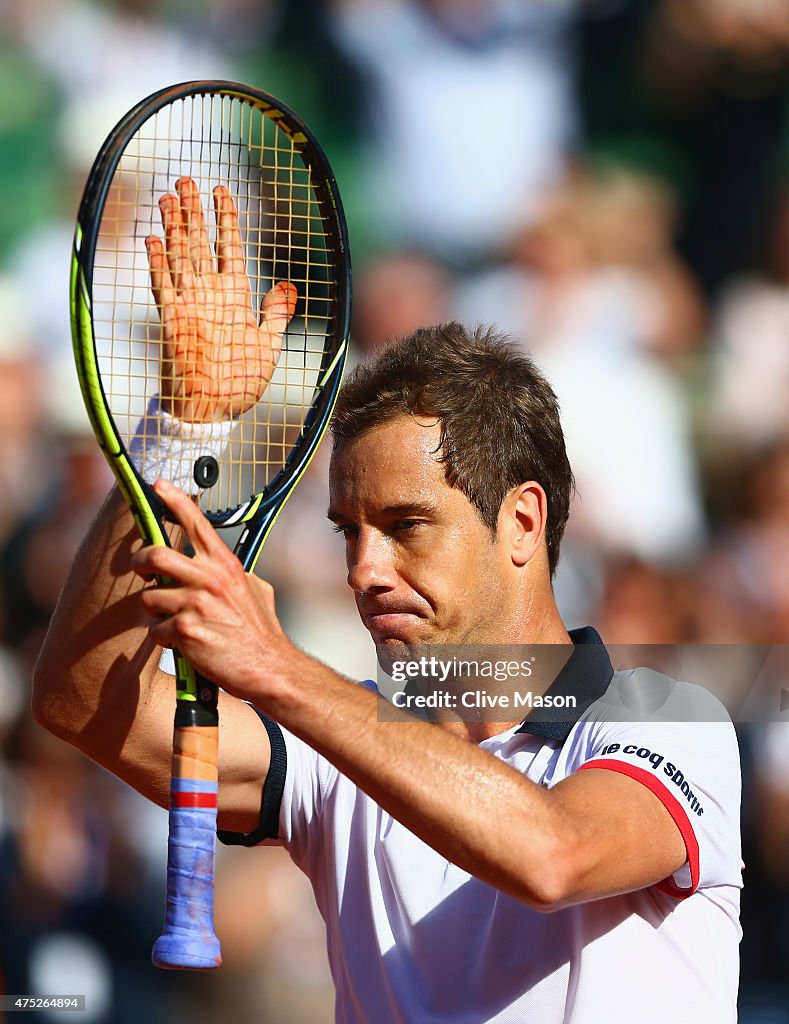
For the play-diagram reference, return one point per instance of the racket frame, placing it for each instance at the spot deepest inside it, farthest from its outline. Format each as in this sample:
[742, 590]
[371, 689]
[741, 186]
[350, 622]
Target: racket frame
[196, 704]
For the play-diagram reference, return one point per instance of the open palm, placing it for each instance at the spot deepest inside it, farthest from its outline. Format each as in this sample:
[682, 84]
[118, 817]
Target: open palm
[218, 355]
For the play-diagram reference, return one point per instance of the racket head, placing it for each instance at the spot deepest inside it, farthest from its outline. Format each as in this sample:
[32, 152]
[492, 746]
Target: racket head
[293, 228]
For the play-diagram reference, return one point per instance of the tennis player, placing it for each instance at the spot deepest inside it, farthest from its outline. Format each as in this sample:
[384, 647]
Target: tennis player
[577, 871]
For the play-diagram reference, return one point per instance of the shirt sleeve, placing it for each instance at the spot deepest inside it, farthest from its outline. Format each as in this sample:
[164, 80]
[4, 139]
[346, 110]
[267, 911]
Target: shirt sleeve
[693, 768]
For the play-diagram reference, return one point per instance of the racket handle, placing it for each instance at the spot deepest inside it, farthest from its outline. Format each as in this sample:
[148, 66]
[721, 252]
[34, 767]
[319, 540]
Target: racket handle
[188, 941]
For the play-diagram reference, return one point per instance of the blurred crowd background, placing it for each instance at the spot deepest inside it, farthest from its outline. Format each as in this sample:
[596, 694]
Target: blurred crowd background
[607, 180]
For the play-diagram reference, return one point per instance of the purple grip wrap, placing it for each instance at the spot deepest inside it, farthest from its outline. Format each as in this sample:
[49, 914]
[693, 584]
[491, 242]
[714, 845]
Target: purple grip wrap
[188, 940]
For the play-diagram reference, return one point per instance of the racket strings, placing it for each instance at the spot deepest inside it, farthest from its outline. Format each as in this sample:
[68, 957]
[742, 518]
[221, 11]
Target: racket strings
[215, 140]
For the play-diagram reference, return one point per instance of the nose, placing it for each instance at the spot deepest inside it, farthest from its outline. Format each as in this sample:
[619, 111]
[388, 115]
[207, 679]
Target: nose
[371, 563]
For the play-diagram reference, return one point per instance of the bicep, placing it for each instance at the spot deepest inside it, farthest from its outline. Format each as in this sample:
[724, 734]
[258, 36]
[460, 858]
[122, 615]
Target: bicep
[621, 835]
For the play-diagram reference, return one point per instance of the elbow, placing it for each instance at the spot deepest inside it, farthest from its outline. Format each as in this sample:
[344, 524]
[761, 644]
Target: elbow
[47, 703]
[39, 702]
[551, 884]
[551, 891]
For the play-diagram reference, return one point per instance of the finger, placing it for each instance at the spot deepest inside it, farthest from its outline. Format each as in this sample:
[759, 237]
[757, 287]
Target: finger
[164, 602]
[278, 307]
[196, 603]
[197, 234]
[263, 592]
[161, 281]
[163, 563]
[229, 245]
[165, 632]
[176, 242]
[202, 536]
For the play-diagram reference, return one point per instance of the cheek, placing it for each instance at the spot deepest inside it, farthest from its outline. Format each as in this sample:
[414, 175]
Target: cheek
[466, 582]
[483, 578]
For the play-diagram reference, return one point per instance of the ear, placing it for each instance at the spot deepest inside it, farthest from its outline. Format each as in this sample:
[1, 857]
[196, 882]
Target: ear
[522, 520]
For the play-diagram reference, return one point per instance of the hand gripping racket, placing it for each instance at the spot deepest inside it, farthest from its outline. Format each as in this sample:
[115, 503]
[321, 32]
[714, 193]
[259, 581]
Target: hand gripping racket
[234, 325]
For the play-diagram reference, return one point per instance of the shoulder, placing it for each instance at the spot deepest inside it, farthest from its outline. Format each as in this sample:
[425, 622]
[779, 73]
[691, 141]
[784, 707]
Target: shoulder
[677, 739]
[652, 718]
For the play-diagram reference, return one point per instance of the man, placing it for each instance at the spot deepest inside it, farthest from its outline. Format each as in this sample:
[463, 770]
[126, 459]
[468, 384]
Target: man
[436, 851]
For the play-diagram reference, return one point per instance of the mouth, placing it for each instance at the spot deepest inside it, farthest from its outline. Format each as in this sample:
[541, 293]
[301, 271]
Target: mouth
[392, 625]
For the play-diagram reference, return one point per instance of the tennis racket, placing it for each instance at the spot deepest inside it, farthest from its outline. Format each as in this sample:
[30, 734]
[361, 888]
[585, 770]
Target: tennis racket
[233, 323]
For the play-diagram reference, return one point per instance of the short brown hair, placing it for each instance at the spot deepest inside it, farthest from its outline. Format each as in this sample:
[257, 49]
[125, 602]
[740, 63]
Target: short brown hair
[499, 416]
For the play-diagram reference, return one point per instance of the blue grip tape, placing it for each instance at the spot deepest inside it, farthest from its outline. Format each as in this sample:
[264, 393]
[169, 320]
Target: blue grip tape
[188, 940]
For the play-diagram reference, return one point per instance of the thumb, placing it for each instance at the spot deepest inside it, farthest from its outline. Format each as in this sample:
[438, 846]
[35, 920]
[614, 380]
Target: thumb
[278, 307]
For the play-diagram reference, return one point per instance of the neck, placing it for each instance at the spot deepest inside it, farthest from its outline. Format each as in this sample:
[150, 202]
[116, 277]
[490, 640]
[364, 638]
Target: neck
[536, 620]
[539, 626]
[476, 732]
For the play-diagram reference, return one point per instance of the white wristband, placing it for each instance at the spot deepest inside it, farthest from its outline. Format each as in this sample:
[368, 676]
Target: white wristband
[164, 447]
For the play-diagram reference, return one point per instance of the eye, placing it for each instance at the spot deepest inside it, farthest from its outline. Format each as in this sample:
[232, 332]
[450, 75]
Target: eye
[406, 525]
[346, 529]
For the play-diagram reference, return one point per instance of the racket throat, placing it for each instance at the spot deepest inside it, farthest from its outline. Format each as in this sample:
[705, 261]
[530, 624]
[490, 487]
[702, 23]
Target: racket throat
[191, 713]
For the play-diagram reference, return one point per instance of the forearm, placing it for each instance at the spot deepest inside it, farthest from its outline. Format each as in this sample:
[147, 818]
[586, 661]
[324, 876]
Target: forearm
[98, 686]
[97, 656]
[473, 809]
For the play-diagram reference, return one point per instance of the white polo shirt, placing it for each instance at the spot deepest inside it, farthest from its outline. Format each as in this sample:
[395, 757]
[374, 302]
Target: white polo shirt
[413, 939]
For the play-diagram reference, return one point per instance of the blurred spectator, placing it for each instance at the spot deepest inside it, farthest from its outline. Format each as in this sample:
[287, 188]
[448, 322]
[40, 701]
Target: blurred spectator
[750, 399]
[296, 57]
[748, 563]
[633, 218]
[719, 70]
[235, 27]
[397, 292]
[22, 469]
[472, 114]
[28, 119]
[699, 88]
[643, 605]
[105, 57]
[600, 309]
[765, 911]
[76, 901]
[772, 797]
[735, 44]
[36, 554]
[273, 944]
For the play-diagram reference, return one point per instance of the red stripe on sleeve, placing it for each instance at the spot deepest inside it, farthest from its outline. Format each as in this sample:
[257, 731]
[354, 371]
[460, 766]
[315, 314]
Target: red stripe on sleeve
[193, 799]
[674, 808]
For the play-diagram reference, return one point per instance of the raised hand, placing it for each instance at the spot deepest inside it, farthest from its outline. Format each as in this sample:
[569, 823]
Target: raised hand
[219, 356]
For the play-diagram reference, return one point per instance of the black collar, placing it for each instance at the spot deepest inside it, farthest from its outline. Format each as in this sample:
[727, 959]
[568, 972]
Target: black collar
[586, 677]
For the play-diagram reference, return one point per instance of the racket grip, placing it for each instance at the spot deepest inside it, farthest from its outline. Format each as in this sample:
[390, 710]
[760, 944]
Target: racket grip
[188, 941]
